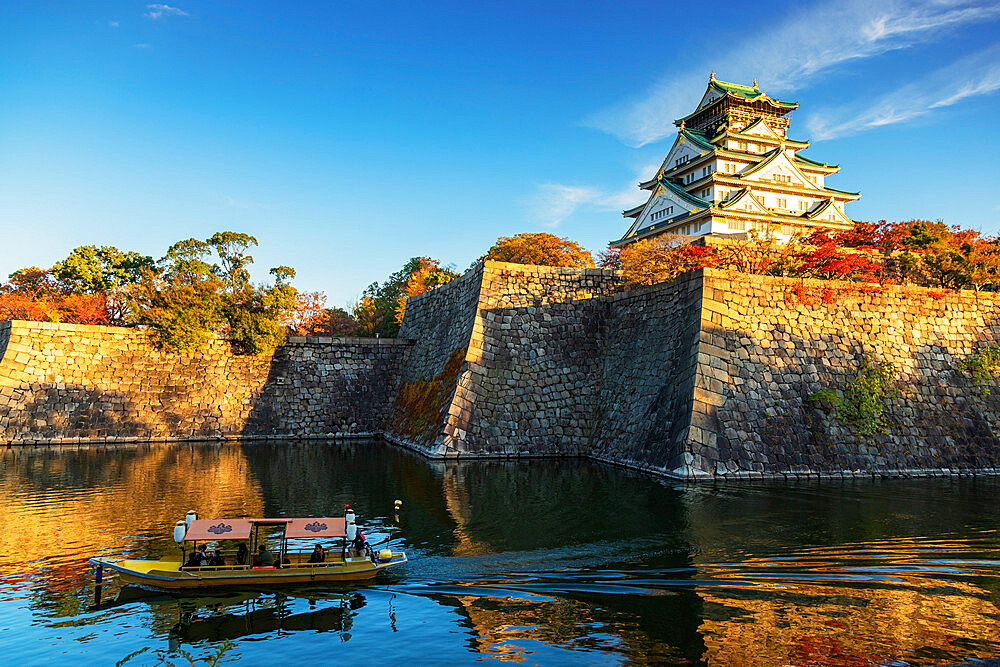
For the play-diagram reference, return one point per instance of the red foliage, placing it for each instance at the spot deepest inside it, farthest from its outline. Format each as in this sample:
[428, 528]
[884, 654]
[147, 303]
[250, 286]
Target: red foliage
[31, 294]
[611, 258]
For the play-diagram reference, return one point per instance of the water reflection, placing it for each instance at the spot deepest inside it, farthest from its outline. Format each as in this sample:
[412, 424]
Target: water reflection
[534, 561]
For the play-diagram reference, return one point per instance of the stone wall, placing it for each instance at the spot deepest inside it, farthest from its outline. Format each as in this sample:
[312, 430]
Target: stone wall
[525, 364]
[650, 360]
[712, 374]
[63, 382]
[707, 375]
[768, 344]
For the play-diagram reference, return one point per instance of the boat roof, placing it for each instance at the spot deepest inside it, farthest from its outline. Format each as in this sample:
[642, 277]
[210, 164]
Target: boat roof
[206, 530]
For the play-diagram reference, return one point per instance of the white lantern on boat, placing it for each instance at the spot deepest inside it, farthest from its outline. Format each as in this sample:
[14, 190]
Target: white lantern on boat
[180, 529]
[351, 527]
[189, 517]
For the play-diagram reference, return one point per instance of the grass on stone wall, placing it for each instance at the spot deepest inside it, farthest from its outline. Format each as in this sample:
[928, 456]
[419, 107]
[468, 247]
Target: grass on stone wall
[861, 403]
[983, 366]
[420, 405]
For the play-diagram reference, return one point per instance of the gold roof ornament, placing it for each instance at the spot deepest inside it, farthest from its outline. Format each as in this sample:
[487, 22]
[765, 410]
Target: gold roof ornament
[754, 84]
[682, 124]
[711, 77]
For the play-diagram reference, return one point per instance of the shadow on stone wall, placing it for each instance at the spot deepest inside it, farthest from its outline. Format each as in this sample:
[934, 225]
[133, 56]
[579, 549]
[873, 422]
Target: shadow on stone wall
[318, 387]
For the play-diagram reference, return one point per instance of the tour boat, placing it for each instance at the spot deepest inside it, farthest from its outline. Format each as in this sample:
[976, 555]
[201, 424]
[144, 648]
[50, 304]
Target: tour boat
[340, 564]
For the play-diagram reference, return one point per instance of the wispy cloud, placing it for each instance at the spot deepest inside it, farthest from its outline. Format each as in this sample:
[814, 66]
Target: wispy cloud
[141, 45]
[113, 24]
[240, 204]
[553, 202]
[813, 39]
[977, 74]
[159, 10]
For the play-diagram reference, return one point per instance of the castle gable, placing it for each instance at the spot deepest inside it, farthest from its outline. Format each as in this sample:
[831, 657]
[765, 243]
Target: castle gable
[778, 167]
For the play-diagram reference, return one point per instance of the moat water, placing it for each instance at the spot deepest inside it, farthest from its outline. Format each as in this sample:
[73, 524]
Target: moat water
[541, 562]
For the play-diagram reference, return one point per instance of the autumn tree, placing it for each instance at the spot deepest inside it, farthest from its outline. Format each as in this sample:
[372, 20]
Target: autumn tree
[313, 318]
[428, 275]
[376, 311]
[541, 249]
[34, 294]
[661, 258]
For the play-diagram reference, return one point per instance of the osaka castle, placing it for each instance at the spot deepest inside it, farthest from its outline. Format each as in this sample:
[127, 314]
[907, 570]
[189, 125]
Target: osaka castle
[733, 169]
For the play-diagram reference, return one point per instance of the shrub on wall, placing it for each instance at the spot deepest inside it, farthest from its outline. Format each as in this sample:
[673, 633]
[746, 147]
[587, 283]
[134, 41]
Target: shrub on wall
[983, 366]
[862, 401]
[539, 249]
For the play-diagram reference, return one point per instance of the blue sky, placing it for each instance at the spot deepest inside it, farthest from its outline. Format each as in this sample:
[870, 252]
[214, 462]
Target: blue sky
[348, 137]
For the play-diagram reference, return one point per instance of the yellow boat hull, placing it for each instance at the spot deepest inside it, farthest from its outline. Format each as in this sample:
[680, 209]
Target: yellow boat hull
[168, 575]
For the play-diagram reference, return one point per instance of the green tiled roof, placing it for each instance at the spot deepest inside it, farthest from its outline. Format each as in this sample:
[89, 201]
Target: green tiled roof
[843, 192]
[769, 157]
[804, 160]
[683, 194]
[698, 139]
[748, 92]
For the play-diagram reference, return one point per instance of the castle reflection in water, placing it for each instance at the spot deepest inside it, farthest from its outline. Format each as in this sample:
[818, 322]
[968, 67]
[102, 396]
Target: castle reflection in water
[528, 559]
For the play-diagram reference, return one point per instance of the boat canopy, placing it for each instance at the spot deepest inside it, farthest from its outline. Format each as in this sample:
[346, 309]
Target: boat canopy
[208, 530]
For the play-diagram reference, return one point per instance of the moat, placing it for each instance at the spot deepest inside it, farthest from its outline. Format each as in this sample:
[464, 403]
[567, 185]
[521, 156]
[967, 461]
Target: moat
[544, 562]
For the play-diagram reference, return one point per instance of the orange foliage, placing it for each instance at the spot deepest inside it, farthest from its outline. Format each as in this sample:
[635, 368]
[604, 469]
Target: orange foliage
[428, 275]
[31, 294]
[540, 249]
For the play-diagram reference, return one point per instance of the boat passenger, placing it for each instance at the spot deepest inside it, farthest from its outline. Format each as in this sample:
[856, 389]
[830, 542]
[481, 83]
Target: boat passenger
[264, 558]
[360, 545]
[242, 555]
[317, 556]
[196, 559]
[216, 560]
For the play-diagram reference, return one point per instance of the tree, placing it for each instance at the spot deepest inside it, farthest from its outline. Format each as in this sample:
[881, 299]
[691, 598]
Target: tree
[33, 294]
[102, 270]
[180, 298]
[188, 298]
[376, 312]
[541, 249]
[369, 317]
[661, 258]
[428, 275]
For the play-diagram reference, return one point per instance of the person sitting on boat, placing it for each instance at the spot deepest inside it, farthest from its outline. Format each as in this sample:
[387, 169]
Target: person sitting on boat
[242, 554]
[216, 560]
[196, 559]
[317, 556]
[264, 558]
[360, 545]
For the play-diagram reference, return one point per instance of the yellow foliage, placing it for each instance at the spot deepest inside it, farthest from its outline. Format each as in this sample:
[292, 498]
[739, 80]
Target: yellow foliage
[367, 316]
[540, 249]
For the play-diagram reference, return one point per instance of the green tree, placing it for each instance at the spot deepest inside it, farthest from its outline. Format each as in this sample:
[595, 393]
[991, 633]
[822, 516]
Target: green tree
[102, 270]
[188, 297]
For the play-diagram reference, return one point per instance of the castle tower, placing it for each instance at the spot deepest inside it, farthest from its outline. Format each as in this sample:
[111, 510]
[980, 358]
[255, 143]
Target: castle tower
[733, 169]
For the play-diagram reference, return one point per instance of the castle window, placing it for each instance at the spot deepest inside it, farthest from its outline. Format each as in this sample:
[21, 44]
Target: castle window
[741, 145]
[738, 225]
[781, 202]
[803, 205]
